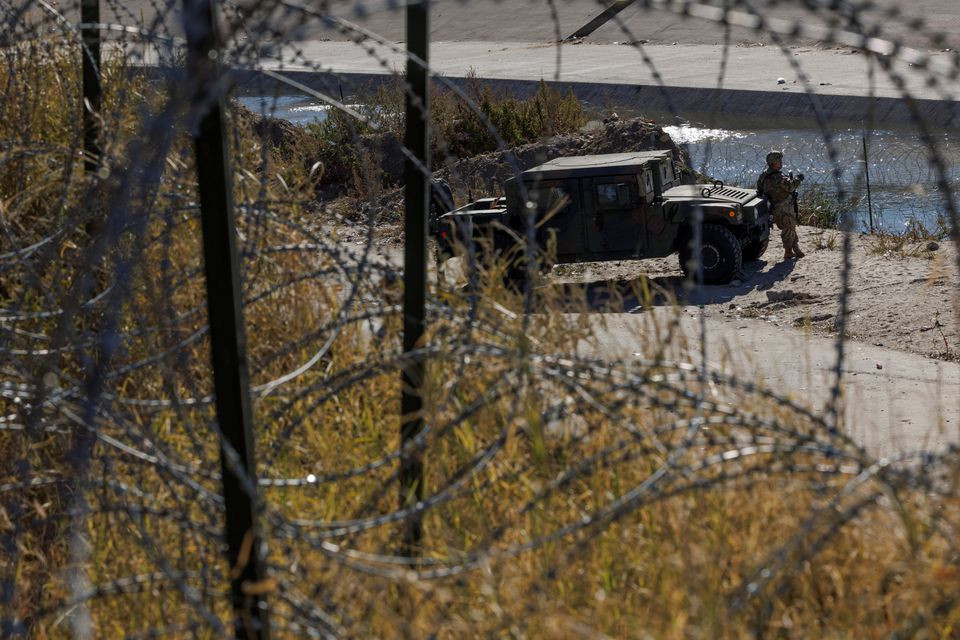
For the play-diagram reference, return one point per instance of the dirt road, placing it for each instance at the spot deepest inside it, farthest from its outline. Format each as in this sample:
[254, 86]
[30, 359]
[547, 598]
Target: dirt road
[778, 326]
[893, 401]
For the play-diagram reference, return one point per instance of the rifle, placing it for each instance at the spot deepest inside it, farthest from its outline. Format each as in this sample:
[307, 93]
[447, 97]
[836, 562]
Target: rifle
[796, 196]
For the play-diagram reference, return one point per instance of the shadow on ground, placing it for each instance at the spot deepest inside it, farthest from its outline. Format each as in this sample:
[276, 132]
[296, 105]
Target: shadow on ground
[633, 295]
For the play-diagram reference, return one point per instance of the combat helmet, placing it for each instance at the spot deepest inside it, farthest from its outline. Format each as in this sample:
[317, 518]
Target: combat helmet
[774, 156]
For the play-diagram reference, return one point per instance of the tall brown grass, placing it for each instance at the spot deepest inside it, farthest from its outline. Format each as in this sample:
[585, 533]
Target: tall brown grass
[767, 526]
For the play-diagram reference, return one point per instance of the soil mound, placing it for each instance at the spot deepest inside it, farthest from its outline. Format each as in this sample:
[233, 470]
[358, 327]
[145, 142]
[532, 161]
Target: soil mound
[477, 176]
[485, 174]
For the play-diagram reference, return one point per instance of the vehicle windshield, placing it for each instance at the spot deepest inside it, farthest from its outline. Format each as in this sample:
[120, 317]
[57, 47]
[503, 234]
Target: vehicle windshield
[550, 198]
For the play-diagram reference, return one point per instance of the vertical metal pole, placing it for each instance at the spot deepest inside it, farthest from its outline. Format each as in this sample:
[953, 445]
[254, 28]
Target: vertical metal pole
[866, 170]
[92, 90]
[245, 548]
[417, 201]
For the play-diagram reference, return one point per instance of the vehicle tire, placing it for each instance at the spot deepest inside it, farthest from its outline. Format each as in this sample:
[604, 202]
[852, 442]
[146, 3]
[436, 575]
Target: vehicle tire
[757, 247]
[721, 254]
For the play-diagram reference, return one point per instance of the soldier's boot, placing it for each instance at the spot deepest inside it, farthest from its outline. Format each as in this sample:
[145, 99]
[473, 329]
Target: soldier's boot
[787, 253]
[796, 251]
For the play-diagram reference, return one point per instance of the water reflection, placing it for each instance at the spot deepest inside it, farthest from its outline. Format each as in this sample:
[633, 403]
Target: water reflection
[301, 110]
[903, 181]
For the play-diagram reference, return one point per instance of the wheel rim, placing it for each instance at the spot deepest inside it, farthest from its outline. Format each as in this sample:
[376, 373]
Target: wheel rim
[709, 257]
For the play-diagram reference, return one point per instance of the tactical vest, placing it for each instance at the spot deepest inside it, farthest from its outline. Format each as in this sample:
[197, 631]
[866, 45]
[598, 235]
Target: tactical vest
[763, 176]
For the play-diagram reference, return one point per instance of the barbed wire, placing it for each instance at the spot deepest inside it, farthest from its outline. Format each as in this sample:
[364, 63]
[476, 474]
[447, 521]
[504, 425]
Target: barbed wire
[542, 454]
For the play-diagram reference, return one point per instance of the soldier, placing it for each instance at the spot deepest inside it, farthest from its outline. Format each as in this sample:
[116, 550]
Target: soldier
[781, 192]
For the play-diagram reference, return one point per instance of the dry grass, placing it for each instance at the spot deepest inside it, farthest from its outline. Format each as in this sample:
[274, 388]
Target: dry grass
[820, 208]
[826, 239]
[766, 525]
[914, 241]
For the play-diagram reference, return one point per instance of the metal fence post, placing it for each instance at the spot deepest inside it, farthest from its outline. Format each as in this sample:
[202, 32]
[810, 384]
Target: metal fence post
[245, 548]
[416, 201]
[92, 91]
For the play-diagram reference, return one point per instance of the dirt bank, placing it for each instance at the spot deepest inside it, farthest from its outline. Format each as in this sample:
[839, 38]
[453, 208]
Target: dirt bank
[486, 173]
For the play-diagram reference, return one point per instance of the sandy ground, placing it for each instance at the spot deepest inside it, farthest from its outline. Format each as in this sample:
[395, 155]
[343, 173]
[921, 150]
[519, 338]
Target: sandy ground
[903, 300]
[891, 401]
[778, 327]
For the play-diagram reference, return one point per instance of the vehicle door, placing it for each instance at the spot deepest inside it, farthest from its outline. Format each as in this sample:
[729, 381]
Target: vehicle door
[558, 201]
[616, 215]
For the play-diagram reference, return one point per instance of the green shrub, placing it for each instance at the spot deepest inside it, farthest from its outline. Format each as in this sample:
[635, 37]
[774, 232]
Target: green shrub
[821, 208]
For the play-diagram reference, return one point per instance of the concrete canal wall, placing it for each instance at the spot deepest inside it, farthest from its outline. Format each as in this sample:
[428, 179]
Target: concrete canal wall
[758, 84]
[728, 108]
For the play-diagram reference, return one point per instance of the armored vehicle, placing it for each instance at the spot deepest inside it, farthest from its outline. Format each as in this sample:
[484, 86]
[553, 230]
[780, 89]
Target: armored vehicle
[614, 207]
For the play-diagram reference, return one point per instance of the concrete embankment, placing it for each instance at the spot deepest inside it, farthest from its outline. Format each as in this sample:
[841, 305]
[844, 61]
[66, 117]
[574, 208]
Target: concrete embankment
[845, 88]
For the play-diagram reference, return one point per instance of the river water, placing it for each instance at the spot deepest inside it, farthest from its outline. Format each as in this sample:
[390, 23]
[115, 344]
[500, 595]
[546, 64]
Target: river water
[903, 182]
[300, 110]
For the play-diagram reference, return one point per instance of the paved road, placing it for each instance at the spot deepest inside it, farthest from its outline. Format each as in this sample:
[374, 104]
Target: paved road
[541, 20]
[910, 403]
[533, 21]
[830, 72]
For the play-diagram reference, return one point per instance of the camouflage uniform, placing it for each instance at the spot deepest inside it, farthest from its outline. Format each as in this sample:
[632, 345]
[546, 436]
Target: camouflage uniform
[779, 189]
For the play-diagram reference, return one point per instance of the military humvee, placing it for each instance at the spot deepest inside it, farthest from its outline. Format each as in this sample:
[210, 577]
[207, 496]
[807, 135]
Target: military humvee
[614, 207]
